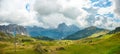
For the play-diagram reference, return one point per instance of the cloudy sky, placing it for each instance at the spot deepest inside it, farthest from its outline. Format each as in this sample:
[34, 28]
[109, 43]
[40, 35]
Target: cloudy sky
[50, 13]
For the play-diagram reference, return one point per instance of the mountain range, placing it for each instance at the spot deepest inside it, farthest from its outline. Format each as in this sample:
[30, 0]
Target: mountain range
[105, 44]
[60, 32]
[63, 31]
[86, 32]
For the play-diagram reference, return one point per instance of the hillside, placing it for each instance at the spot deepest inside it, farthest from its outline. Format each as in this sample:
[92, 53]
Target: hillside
[5, 37]
[115, 31]
[43, 38]
[87, 32]
[104, 44]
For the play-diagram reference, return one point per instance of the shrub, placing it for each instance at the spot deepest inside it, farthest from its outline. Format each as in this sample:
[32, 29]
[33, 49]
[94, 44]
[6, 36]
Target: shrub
[38, 48]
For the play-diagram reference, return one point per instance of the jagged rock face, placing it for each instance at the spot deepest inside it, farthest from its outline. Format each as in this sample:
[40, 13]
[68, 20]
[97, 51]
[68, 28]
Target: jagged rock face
[13, 28]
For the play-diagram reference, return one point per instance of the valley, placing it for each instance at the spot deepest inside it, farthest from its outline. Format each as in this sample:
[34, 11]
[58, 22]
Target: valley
[104, 44]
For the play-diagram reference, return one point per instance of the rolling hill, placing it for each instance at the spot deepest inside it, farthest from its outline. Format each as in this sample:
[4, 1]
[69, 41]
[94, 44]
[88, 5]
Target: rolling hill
[87, 32]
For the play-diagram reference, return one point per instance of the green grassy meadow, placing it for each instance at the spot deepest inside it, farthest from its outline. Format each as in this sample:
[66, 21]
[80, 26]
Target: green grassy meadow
[106, 44]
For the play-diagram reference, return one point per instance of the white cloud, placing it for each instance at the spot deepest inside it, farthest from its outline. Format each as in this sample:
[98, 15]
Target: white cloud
[14, 12]
[46, 7]
[50, 13]
[54, 20]
[72, 12]
[74, 3]
[117, 8]
[93, 19]
[82, 22]
[105, 22]
[103, 11]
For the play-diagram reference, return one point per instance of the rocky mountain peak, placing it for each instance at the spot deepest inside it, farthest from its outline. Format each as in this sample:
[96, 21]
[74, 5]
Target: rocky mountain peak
[13, 27]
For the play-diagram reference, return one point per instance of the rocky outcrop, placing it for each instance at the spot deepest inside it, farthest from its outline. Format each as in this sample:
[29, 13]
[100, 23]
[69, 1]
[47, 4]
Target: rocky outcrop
[11, 28]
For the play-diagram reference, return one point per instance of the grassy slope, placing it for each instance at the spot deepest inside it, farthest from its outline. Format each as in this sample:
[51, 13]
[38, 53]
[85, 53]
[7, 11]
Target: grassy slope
[107, 44]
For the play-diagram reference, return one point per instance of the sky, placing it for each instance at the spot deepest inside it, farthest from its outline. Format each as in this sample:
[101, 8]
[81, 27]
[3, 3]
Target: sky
[51, 13]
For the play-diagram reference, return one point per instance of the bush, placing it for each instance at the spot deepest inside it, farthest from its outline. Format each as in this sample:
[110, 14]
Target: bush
[26, 40]
[60, 48]
[38, 48]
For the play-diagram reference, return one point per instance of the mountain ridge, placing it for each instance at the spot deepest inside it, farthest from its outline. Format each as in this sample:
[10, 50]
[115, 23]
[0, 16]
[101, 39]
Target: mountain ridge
[60, 32]
[85, 33]
[11, 28]
[117, 29]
